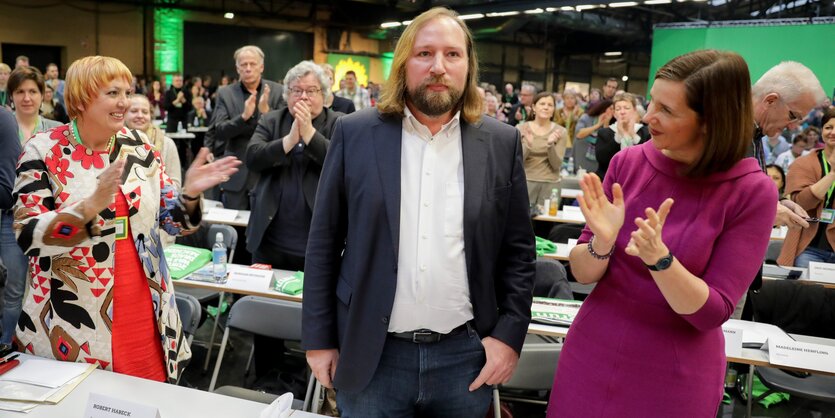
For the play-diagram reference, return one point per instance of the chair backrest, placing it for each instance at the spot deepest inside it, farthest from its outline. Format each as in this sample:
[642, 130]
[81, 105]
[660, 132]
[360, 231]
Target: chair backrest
[798, 308]
[268, 317]
[551, 280]
[562, 232]
[230, 238]
[189, 309]
[774, 248]
[537, 364]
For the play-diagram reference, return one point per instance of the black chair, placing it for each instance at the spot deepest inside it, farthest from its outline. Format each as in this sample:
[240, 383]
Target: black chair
[773, 251]
[801, 309]
[551, 280]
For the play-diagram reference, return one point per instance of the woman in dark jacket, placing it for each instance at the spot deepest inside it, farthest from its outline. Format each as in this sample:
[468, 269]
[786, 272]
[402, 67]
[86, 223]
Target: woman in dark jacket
[628, 131]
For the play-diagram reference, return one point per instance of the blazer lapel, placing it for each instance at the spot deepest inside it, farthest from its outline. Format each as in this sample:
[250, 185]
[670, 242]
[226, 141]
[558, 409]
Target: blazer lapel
[474, 156]
[387, 141]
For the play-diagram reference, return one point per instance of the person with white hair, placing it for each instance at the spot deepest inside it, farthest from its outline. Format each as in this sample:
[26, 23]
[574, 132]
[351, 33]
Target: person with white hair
[287, 151]
[239, 106]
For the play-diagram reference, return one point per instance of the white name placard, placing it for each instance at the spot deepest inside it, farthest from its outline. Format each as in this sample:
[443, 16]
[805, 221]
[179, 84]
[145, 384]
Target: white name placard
[822, 272]
[246, 275]
[733, 341]
[101, 406]
[807, 356]
[221, 215]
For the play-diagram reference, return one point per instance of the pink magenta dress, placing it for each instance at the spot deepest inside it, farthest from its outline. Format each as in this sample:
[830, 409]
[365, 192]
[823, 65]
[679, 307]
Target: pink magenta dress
[628, 354]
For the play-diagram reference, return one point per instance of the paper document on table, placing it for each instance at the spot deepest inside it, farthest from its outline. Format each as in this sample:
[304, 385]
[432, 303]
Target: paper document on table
[822, 272]
[755, 334]
[554, 311]
[220, 215]
[13, 390]
[46, 373]
[17, 406]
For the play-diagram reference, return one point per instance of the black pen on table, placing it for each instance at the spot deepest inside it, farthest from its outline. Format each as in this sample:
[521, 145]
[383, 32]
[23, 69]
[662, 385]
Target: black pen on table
[6, 360]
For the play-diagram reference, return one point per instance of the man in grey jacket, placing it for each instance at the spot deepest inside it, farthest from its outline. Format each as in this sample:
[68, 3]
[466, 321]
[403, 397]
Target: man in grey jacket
[239, 106]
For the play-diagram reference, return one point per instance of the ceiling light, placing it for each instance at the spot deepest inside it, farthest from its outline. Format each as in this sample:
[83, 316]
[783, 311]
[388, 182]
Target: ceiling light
[582, 7]
[567, 8]
[534, 11]
[624, 4]
[229, 15]
[613, 53]
[406, 22]
[390, 25]
[472, 16]
[502, 14]
[625, 78]
[551, 9]
[650, 2]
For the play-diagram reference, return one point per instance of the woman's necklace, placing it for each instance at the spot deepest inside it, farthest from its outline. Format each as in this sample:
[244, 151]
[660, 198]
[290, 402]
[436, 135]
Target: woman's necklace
[77, 136]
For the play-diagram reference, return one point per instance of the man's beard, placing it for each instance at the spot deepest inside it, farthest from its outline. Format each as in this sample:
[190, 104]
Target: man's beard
[433, 103]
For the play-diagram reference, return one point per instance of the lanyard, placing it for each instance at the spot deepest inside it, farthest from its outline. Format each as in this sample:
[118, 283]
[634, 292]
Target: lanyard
[34, 130]
[77, 136]
[829, 192]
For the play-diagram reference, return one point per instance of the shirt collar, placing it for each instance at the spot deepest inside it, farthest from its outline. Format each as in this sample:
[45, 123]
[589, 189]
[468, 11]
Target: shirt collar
[246, 92]
[414, 126]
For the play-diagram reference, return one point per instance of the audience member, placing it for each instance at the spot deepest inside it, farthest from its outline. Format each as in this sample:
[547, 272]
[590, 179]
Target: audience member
[595, 96]
[53, 81]
[798, 149]
[773, 146]
[51, 108]
[543, 147]
[177, 104]
[626, 132]
[156, 97]
[522, 109]
[287, 152]
[665, 286]
[138, 117]
[10, 253]
[509, 101]
[5, 97]
[491, 104]
[781, 96]
[238, 108]
[598, 117]
[334, 102]
[813, 138]
[610, 89]
[778, 176]
[459, 292]
[810, 183]
[118, 312]
[26, 85]
[354, 92]
[21, 61]
[198, 116]
[568, 116]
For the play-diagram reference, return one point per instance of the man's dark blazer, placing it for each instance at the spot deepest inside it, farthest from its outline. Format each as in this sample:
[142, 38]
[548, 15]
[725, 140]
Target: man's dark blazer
[265, 155]
[10, 143]
[175, 114]
[351, 260]
[341, 104]
[229, 133]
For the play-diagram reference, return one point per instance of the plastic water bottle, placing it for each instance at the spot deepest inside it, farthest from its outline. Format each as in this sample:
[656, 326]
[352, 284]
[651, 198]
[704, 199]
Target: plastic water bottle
[180, 128]
[554, 201]
[571, 165]
[219, 259]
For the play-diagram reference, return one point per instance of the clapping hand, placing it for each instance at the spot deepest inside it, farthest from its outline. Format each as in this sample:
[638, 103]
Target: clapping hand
[304, 119]
[249, 107]
[203, 175]
[645, 242]
[264, 102]
[108, 183]
[554, 137]
[603, 217]
[527, 135]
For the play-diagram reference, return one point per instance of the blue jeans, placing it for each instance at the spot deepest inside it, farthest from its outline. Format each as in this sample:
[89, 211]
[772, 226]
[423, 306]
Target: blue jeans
[813, 254]
[424, 380]
[16, 264]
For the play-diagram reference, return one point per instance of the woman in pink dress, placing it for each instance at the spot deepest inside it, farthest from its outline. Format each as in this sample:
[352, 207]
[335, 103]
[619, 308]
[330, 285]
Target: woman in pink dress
[648, 339]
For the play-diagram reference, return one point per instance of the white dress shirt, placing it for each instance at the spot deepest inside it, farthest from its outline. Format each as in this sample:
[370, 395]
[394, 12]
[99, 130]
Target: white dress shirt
[432, 288]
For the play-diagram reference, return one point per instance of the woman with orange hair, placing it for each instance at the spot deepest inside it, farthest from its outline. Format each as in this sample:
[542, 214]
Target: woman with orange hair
[91, 196]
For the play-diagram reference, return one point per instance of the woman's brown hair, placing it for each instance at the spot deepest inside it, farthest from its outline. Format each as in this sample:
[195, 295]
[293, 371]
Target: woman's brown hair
[393, 97]
[21, 74]
[718, 89]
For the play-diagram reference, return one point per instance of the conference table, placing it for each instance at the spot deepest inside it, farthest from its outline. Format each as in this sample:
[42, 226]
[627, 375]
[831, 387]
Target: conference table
[172, 401]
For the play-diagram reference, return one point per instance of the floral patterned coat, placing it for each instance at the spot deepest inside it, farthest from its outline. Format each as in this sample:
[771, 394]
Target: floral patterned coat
[68, 307]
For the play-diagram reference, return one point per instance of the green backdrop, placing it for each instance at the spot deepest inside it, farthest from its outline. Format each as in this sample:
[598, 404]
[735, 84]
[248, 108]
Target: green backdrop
[762, 47]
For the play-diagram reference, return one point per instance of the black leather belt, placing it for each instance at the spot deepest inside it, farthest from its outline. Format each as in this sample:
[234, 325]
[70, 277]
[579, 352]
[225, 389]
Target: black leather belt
[424, 336]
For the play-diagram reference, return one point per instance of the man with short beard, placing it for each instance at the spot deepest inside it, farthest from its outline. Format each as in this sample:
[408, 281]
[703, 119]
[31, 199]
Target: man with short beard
[420, 259]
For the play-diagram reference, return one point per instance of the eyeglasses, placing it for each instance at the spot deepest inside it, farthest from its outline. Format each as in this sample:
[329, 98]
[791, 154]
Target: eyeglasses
[297, 92]
[793, 117]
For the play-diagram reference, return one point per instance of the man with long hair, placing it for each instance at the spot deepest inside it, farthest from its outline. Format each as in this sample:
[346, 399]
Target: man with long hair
[420, 259]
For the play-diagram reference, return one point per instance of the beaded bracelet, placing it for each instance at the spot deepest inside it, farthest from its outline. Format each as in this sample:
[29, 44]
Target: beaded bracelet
[596, 255]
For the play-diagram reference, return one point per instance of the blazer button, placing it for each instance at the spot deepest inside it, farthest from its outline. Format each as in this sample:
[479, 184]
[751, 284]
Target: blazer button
[385, 320]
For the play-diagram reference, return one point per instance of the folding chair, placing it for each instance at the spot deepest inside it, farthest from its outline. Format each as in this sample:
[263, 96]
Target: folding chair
[190, 311]
[268, 317]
